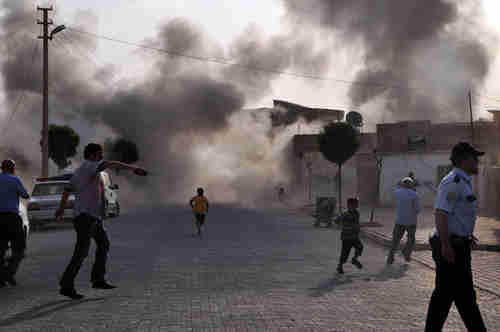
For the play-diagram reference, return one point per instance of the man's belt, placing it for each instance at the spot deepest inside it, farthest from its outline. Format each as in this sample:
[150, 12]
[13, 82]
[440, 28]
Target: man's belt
[456, 239]
[460, 240]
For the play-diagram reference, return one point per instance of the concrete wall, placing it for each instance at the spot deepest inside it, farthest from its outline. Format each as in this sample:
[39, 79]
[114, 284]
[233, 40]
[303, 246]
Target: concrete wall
[486, 184]
[489, 191]
[425, 168]
[321, 179]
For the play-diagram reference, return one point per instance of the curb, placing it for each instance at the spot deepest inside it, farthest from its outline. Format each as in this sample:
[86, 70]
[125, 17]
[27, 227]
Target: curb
[385, 240]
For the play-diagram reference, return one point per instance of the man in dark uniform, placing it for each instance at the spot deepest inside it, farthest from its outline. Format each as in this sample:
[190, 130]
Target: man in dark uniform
[451, 243]
[11, 224]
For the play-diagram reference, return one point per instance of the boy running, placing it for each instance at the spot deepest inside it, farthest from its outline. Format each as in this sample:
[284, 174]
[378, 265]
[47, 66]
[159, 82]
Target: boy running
[199, 204]
[350, 234]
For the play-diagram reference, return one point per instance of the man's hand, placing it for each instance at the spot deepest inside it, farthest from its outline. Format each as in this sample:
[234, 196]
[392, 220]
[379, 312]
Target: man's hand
[447, 252]
[475, 242]
[59, 214]
[140, 171]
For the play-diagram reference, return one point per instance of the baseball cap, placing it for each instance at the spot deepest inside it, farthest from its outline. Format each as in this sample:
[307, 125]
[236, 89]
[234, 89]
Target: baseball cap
[407, 180]
[8, 163]
[463, 149]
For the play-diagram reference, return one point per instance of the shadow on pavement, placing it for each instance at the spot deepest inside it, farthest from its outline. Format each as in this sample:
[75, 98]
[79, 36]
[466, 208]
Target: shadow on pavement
[329, 285]
[44, 310]
[387, 273]
[391, 272]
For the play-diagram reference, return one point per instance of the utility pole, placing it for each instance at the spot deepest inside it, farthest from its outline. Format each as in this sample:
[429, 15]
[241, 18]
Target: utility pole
[45, 90]
[471, 120]
[378, 160]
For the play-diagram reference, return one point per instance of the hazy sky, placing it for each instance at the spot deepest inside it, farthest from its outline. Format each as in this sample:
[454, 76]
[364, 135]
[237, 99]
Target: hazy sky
[424, 59]
[223, 21]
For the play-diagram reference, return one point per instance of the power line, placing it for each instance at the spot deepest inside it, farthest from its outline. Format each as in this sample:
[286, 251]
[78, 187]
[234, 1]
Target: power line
[230, 62]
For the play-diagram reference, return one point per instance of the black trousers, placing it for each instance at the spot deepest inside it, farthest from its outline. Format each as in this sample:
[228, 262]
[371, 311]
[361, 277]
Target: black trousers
[347, 245]
[11, 231]
[87, 227]
[200, 218]
[397, 235]
[453, 284]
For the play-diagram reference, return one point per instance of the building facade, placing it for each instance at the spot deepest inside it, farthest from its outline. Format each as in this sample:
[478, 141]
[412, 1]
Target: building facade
[420, 147]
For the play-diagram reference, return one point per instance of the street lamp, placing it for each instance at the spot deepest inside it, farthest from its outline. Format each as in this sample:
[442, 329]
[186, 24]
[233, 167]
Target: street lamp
[57, 29]
[378, 160]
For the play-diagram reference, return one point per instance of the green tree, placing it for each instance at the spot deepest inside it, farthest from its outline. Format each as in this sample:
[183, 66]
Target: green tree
[338, 142]
[63, 141]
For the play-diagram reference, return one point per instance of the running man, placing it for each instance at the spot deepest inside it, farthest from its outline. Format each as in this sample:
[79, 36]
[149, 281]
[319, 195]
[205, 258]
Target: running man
[199, 204]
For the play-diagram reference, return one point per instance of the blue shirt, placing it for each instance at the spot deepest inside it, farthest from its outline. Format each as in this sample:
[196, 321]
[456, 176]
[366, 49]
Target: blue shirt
[407, 206]
[11, 189]
[455, 196]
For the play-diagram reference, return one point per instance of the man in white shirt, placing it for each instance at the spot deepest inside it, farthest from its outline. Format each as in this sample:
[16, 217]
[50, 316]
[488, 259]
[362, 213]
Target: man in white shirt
[407, 209]
[86, 183]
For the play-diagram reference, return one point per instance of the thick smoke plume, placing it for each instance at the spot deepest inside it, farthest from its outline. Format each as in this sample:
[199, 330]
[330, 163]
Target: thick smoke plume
[421, 57]
[186, 117]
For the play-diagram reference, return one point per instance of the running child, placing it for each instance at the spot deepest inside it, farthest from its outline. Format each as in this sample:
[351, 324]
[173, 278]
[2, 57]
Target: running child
[350, 234]
[199, 204]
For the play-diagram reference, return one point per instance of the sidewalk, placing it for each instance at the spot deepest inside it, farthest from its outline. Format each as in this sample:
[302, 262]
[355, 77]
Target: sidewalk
[485, 259]
[487, 230]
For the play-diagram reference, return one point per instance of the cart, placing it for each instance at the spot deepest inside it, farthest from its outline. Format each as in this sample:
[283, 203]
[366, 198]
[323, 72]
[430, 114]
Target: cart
[325, 211]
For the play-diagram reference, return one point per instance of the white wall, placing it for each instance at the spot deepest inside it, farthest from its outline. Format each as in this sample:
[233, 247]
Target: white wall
[424, 166]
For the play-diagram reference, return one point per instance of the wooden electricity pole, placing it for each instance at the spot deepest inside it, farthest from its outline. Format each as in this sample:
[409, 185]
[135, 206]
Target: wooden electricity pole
[45, 90]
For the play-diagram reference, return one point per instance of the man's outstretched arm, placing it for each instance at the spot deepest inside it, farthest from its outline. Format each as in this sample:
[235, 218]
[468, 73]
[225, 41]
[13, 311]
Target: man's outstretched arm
[119, 165]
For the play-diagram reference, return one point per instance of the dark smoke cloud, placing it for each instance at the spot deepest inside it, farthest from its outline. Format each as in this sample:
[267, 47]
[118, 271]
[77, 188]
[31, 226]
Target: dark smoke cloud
[294, 51]
[176, 112]
[422, 51]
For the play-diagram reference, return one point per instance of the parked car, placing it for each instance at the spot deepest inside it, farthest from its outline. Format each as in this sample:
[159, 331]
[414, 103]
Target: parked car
[111, 203]
[47, 193]
[26, 222]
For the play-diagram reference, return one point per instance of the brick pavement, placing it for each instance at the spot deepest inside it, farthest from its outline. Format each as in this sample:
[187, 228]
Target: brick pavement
[485, 260]
[252, 271]
[487, 229]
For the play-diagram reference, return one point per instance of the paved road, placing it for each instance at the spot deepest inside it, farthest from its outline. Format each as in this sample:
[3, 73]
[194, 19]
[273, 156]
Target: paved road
[252, 271]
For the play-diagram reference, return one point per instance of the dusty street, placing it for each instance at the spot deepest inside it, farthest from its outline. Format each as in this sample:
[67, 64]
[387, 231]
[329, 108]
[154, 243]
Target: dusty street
[251, 271]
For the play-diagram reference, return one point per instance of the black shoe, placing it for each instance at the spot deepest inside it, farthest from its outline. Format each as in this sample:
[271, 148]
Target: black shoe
[10, 280]
[71, 293]
[102, 285]
[356, 263]
[340, 269]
